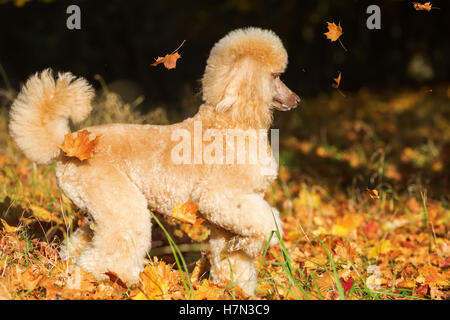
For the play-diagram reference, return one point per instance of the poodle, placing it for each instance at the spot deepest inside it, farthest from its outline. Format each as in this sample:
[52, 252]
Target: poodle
[137, 168]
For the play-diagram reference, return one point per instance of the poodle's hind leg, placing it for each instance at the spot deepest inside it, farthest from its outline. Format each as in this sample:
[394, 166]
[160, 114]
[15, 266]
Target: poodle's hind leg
[227, 266]
[122, 224]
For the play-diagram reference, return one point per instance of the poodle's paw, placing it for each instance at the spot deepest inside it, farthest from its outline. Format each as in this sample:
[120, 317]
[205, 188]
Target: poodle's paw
[100, 266]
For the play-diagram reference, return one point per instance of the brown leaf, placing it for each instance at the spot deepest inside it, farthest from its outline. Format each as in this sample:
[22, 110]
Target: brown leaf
[334, 31]
[113, 277]
[422, 6]
[80, 147]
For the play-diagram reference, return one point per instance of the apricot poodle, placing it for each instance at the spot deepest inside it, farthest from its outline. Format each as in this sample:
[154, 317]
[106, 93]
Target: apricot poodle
[137, 167]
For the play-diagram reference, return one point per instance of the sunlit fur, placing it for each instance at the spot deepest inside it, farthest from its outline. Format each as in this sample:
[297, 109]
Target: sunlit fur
[132, 168]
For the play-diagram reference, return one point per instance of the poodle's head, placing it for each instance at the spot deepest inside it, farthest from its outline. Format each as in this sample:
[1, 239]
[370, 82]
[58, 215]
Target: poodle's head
[242, 77]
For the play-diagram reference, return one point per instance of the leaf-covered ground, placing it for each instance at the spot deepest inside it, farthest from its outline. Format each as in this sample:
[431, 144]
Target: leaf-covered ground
[340, 239]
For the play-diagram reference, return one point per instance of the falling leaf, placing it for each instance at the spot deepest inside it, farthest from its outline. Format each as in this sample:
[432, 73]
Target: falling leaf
[169, 60]
[372, 193]
[81, 147]
[9, 228]
[422, 6]
[337, 80]
[186, 212]
[334, 31]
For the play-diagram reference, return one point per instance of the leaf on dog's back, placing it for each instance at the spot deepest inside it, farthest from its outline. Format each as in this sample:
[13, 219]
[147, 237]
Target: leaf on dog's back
[80, 147]
[186, 212]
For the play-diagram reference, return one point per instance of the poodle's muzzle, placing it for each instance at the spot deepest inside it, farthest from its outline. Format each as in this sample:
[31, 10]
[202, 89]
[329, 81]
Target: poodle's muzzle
[284, 99]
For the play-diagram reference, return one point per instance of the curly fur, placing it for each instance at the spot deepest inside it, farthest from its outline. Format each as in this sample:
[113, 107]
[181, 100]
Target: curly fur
[132, 168]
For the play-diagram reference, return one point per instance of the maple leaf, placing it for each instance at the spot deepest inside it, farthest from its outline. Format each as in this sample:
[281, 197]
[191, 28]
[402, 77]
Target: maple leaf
[422, 6]
[186, 212]
[334, 33]
[169, 60]
[80, 147]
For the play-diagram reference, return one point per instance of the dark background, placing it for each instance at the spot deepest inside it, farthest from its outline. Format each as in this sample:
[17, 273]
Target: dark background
[119, 40]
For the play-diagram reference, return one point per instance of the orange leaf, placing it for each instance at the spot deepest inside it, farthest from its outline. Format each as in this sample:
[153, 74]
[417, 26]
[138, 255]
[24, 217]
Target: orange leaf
[334, 31]
[169, 60]
[422, 6]
[372, 193]
[186, 212]
[337, 80]
[81, 147]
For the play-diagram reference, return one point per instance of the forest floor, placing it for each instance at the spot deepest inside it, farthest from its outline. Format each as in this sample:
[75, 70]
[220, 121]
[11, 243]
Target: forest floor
[363, 194]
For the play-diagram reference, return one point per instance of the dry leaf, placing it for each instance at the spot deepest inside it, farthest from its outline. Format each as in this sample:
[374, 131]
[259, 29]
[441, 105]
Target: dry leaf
[337, 80]
[334, 31]
[186, 212]
[9, 228]
[372, 193]
[422, 6]
[81, 147]
[169, 60]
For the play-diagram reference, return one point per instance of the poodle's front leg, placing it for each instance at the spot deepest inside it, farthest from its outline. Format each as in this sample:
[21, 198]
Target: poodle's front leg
[247, 215]
[236, 265]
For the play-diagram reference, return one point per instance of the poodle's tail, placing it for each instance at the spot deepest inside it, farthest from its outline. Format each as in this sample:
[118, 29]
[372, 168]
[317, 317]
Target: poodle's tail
[40, 114]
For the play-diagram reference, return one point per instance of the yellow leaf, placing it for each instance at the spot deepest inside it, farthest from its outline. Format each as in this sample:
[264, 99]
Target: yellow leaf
[140, 296]
[334, 31]
[43, 214]
[185, 212]
[9, 228]
[346, 225]
[383, 247]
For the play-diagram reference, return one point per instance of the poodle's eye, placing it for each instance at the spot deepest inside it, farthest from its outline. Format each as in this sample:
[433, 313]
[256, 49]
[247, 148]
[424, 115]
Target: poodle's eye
[275, 75]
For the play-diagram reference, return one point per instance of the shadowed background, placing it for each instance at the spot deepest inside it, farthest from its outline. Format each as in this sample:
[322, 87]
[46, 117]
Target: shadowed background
[395, 80]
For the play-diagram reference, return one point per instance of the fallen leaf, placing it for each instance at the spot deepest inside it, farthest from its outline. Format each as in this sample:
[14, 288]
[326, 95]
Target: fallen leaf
[80, 147]
[422, 6]
[186, 212]
[113, 277]
[347, 284]
[9, 228]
